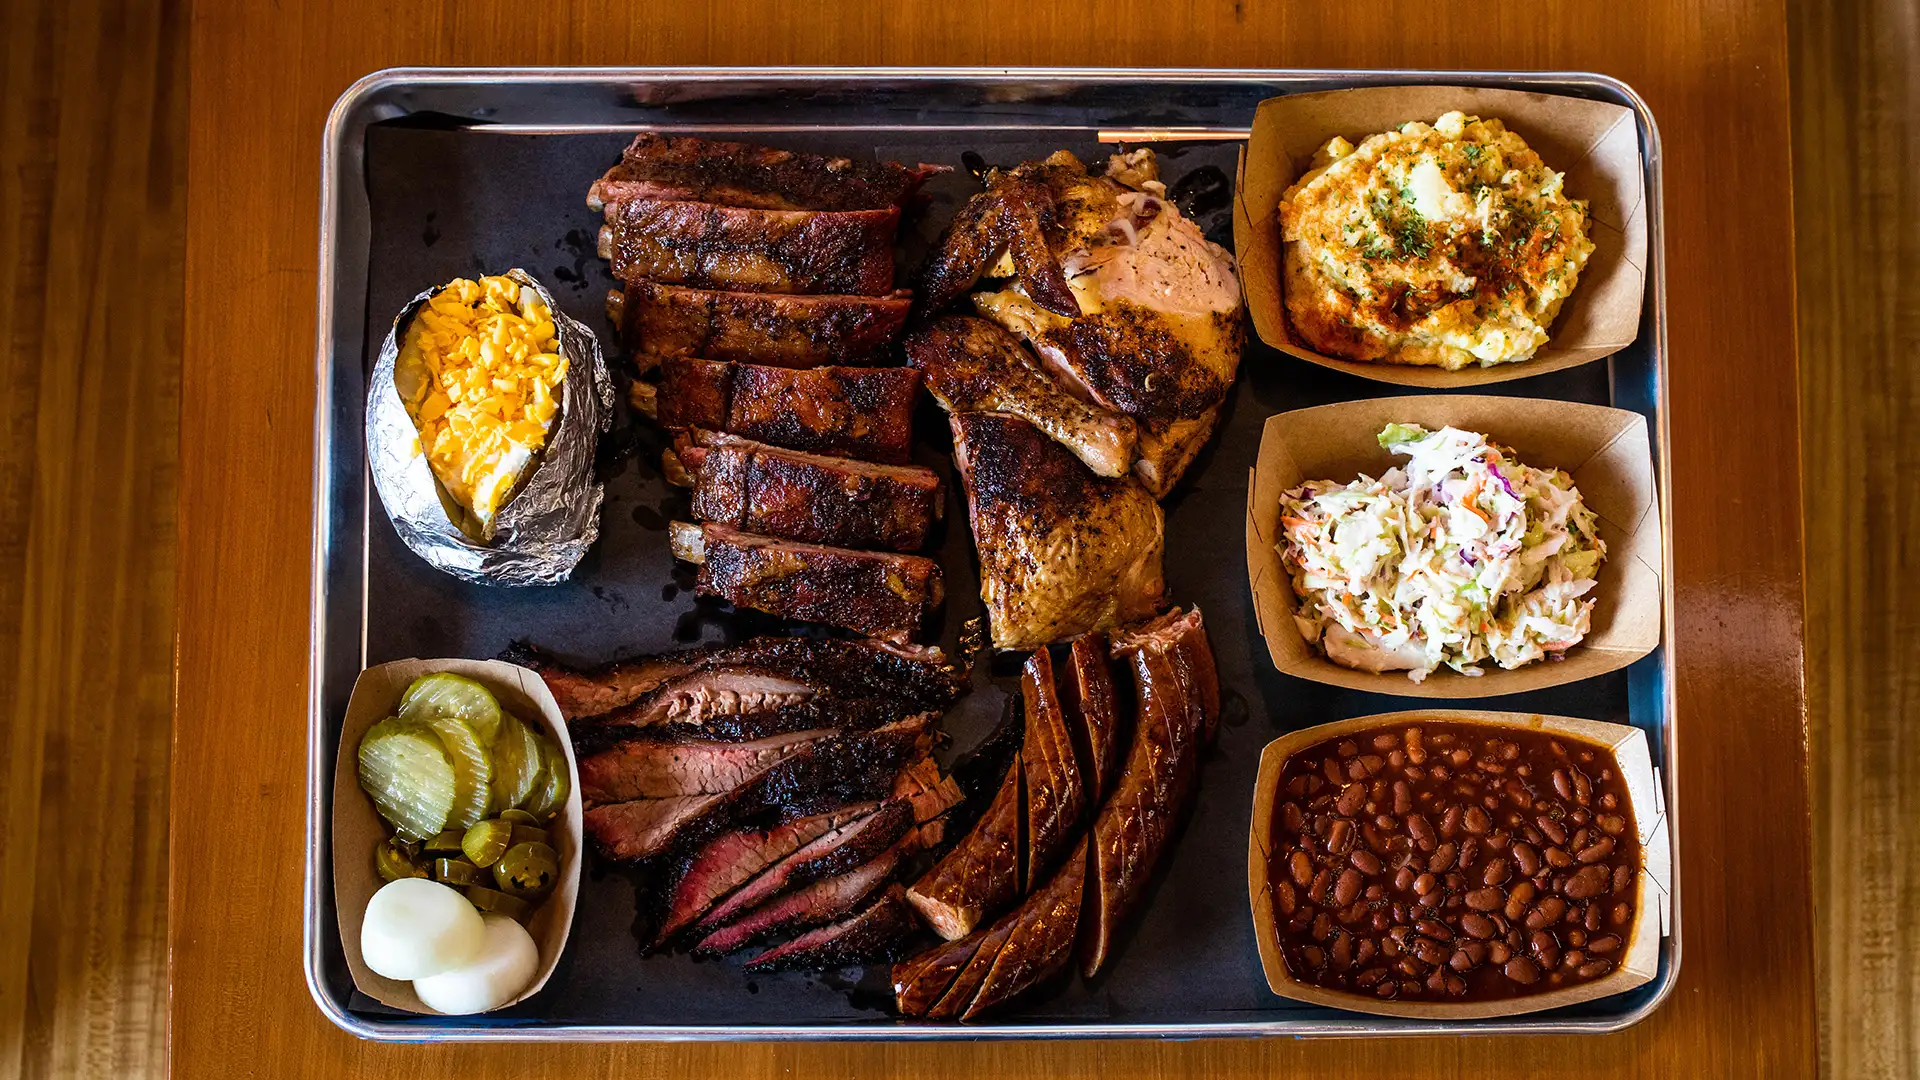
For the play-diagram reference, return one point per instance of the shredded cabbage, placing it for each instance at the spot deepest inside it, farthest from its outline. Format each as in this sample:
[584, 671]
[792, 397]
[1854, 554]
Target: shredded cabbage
[1462, 555]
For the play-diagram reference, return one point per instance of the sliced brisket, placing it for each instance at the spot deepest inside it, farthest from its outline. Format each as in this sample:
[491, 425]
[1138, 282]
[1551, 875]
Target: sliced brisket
[590, 691]
[732, 859]
[836, 851]
[874, 934]
[910, 681]
[657, 769]
[821, 902]
[929, 791]
[821, 775]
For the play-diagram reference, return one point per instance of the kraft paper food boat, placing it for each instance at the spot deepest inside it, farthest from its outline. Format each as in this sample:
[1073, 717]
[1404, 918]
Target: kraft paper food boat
[1638, 963]
[1606, 451]
[357, 827]
[1596, 144]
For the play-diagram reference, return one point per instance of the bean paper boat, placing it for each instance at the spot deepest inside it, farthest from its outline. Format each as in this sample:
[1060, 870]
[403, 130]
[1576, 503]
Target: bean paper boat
[1639, 961]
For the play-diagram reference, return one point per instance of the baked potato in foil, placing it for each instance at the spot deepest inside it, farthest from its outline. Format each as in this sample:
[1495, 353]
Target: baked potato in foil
[483, 414]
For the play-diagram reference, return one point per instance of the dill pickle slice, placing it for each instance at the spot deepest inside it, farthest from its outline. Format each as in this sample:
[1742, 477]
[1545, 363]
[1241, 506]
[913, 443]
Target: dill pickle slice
[407, 772]
[457, 872]
[516, 764]
[498, 902]
[393, 863]
[527, 834]
[555, 785]
[517, 816]
[486, 841]
[472, 769]
[445, 694]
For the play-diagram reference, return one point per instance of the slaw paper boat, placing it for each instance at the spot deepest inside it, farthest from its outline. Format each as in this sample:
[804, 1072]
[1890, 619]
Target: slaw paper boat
[1607, 452]
[1596, 144]
[357, 826]
[1639, 962]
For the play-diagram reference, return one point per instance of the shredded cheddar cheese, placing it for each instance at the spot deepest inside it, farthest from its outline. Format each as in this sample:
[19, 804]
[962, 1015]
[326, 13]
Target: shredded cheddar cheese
[478, 371]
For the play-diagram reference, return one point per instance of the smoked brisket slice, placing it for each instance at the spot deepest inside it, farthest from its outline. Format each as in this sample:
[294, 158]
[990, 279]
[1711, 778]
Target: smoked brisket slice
[823, 774]
[929, 791]
[837, 851]
[732, 859]
[779, 329]
[981, 874]
[912, 680]
[821, 902]
[750, 250]
[873, 934]
[658, 768]
[590, 691]
[742, 174]
[1132, 830]
[880, 594]
[800, 496]
[847, 411]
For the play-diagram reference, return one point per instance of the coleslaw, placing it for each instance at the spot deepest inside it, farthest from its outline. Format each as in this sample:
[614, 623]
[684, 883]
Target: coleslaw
[1462, 555]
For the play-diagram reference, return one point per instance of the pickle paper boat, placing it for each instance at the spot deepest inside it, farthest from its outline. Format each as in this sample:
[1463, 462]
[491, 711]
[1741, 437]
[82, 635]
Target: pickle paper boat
[1595, 143]
[358, 828]
[1608, 453]
[553, 515]
[1639, 962]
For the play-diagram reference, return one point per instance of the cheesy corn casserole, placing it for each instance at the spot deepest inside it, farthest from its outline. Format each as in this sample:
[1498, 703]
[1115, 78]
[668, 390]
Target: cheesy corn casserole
[1447, 245]
[478, 371]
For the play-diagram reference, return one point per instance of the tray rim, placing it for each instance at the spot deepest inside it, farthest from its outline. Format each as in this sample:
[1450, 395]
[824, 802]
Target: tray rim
[340, 126]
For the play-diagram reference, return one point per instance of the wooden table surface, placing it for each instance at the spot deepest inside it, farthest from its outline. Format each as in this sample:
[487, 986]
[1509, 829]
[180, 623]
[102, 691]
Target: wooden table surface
[262, 80]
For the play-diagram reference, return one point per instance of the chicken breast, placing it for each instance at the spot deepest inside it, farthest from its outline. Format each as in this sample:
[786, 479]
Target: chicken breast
[1062, 551]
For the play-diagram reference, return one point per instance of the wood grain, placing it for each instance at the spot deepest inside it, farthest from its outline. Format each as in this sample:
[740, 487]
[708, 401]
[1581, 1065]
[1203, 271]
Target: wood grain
[1715, 75]
[91, 213]
[1857, 215]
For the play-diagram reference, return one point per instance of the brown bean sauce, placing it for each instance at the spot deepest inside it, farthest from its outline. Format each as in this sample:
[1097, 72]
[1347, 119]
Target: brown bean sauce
[1443, 861]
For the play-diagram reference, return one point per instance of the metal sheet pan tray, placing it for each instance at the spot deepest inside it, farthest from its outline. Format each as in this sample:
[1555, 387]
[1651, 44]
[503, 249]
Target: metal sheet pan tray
[433, 174]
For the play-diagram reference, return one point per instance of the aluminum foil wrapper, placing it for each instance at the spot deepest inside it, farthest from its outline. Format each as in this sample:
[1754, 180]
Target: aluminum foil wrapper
[547, 525]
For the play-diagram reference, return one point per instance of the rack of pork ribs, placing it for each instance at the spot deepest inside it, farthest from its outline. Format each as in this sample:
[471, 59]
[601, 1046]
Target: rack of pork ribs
[1085, 812]
[776, 789]
[757, 299]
